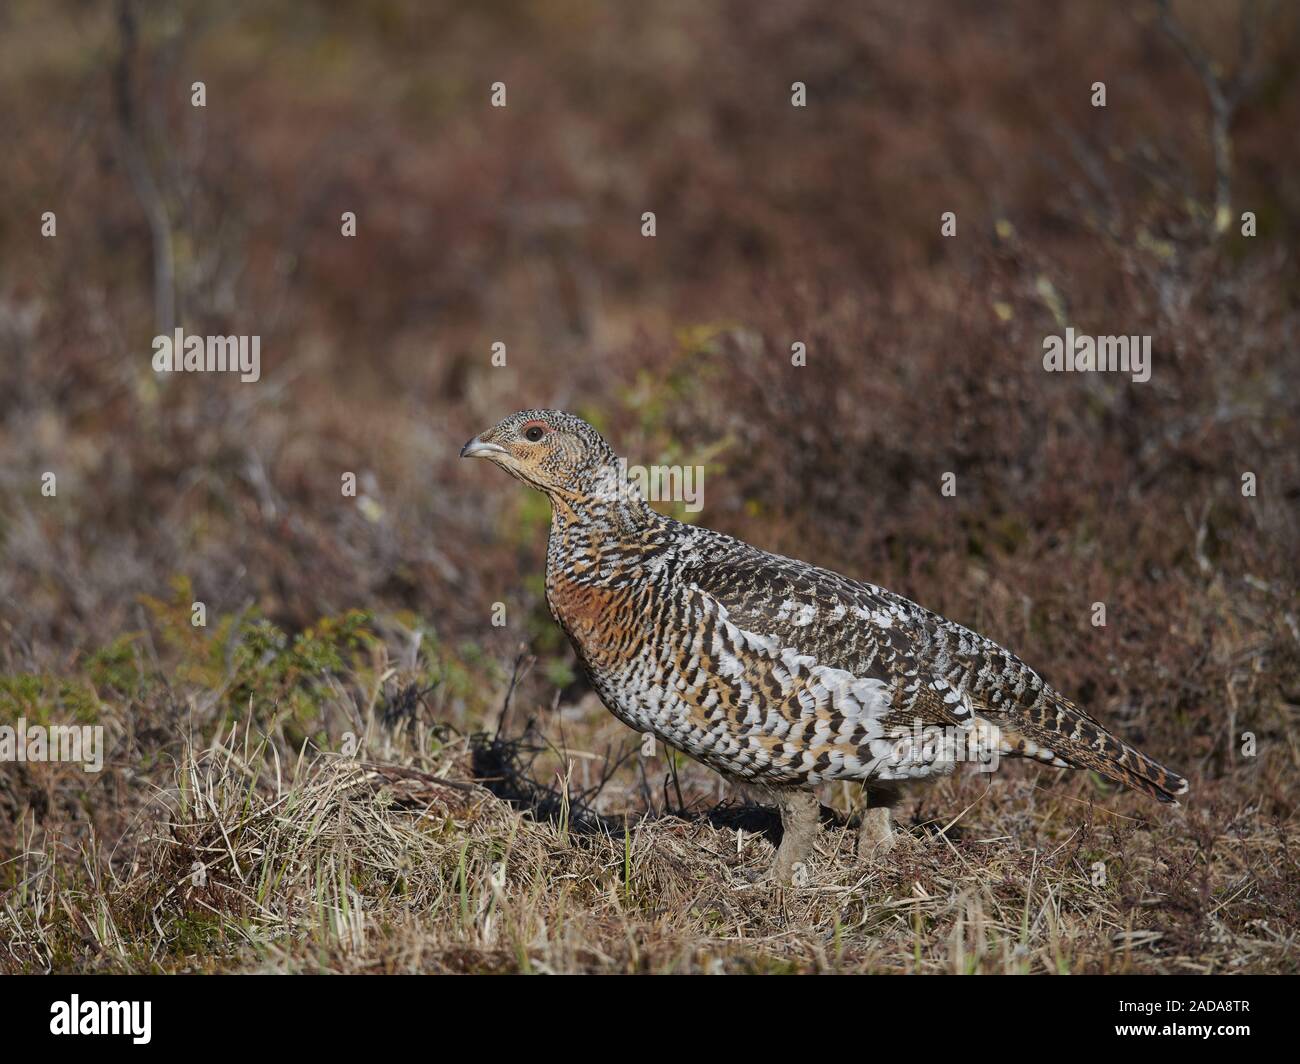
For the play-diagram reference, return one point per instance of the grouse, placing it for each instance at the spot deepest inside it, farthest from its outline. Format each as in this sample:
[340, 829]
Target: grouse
[771, 671]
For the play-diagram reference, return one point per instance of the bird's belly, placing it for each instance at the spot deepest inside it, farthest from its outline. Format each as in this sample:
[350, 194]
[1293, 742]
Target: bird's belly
[733, 700]
[777, 741]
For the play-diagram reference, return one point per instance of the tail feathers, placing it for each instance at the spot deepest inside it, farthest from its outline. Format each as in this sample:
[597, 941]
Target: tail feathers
[1134, 769]
[1075, 738]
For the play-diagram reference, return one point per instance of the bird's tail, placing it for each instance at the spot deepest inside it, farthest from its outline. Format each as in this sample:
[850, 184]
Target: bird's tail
[1071, 734]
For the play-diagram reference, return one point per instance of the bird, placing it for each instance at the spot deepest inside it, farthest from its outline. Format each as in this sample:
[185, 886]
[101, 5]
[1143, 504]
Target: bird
[778, 674]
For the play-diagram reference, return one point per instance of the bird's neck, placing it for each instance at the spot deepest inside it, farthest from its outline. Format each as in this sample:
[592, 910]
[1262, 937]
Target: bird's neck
[608, 513]
[613, 518]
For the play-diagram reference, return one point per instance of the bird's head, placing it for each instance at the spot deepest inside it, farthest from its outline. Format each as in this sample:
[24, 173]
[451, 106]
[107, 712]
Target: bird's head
[555, 452]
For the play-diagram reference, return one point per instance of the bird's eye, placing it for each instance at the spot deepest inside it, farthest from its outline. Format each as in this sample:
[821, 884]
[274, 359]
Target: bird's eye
[535, 433]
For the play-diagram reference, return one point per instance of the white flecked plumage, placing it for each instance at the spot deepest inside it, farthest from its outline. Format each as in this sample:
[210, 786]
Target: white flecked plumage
[770, 670]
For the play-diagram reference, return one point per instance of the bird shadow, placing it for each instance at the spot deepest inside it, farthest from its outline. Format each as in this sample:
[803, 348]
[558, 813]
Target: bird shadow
[503, 766]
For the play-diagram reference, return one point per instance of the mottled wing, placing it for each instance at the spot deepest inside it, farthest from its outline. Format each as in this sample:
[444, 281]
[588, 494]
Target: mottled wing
[937, 672]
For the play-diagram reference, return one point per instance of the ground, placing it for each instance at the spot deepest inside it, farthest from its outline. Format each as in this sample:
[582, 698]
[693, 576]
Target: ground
[320, 815]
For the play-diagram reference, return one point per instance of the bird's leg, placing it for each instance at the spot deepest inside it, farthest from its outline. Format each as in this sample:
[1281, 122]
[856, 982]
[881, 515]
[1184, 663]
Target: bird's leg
[875, 831]
[800, 817]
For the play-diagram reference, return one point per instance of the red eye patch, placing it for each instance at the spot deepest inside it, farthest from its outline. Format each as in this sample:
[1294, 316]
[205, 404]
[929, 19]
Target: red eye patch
[534, 431]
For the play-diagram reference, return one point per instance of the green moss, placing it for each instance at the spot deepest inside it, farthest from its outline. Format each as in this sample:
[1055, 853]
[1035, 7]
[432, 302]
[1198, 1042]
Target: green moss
[44, 699]
[529, 520]
[559, 673]
[116, 667]
[270, 667]
[195, 933]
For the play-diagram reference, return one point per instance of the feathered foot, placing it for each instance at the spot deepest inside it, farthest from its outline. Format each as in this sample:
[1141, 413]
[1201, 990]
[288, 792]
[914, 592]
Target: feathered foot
[875, 829]
[800, 819]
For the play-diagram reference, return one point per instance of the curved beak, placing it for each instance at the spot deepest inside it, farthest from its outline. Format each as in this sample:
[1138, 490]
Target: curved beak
[477, 448]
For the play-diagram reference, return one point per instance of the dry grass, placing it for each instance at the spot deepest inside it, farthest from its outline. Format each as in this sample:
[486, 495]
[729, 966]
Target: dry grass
[449, 853]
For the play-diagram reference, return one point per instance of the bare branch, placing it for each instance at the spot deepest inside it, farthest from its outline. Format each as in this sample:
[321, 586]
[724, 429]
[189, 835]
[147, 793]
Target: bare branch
[131, 145]
[1223, 101]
